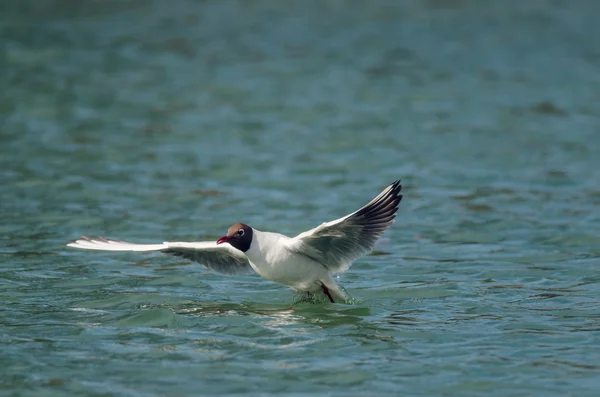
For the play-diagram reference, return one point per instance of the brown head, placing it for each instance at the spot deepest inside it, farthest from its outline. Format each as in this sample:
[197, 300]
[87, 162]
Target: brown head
[239, 236]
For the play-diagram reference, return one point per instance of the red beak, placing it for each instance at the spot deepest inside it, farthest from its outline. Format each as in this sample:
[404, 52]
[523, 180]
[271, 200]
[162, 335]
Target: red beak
[222, 240]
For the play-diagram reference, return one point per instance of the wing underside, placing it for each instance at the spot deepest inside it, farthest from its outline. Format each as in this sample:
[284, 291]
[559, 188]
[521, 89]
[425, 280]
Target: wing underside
[222, 258]
[338, 243]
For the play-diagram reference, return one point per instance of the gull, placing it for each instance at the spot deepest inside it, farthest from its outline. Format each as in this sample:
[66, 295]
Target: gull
[305, 263]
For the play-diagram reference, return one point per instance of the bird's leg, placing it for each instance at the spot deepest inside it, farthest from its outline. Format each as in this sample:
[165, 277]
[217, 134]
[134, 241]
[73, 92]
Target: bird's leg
[326, 290]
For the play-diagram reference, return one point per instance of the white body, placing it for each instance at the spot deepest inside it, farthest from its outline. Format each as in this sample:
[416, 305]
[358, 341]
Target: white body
[270, 257]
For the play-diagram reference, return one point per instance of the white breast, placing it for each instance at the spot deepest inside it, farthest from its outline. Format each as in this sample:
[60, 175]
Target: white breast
[270, 258]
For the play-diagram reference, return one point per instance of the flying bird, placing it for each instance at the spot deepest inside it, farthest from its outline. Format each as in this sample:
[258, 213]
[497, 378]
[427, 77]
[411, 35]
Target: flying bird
[305, 263]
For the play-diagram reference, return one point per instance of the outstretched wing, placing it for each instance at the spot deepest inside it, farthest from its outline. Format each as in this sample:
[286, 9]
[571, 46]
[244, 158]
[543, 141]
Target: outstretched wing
[222, 258]
[338, 243]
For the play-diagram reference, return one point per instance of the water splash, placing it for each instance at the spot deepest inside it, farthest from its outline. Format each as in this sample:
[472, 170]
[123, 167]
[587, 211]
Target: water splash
[320, 298]
[350, 300]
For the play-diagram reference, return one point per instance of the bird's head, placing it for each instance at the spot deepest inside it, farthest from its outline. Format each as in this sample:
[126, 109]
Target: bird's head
[239, 236]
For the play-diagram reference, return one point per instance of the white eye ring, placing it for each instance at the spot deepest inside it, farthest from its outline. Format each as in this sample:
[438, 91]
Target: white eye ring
[241, 232]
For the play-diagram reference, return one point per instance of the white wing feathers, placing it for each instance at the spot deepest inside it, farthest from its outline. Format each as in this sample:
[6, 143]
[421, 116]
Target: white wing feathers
[103, 244]
[338, 243]
[222, 258]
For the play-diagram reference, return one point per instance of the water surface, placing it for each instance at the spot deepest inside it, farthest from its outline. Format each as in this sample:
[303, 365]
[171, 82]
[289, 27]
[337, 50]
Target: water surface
[170, 121]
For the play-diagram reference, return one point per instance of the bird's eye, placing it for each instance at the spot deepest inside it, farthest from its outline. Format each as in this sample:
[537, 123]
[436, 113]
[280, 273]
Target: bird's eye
[240, 232]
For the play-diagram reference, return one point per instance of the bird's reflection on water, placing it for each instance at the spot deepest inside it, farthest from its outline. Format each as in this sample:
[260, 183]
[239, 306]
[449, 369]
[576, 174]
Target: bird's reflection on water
[303, 310]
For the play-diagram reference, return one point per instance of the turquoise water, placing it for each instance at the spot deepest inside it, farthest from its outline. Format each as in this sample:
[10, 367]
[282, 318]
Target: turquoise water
[152, 121]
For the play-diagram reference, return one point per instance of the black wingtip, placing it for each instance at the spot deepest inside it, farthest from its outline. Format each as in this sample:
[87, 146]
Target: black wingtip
[92, 239]
[397, 188]
[84, 238]
[385, 205]
[75, 240]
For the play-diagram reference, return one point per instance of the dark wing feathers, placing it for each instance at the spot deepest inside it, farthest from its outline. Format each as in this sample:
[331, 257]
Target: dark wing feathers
[338, 243]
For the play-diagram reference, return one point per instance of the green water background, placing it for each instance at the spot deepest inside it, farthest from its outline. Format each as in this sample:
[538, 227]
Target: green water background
[151, 121]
